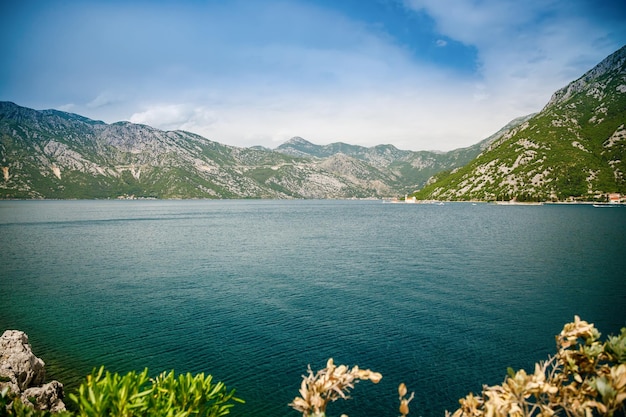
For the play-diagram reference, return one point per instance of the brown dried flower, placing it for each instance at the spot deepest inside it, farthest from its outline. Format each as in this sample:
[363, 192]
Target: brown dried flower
[328, 384]
[585, 378]
[404, 402]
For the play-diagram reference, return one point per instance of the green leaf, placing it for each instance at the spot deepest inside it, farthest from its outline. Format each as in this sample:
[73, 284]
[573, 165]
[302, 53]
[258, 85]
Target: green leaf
[510, 372]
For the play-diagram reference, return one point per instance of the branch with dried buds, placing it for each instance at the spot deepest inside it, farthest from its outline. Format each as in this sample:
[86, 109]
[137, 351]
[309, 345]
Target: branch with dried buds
[328, 384]
[585, 378]
[404, 402]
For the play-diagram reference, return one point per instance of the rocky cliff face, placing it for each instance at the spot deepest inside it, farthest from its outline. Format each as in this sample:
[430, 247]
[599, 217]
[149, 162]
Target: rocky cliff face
[574, 148]
[595, 81]
[23, 374]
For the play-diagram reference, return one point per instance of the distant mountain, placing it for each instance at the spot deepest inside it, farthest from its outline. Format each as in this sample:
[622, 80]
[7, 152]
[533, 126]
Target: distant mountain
[54, 154]
[411, 169]
[575, 148]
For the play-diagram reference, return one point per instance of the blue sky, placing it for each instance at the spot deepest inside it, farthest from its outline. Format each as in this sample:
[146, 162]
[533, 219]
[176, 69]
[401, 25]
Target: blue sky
[419, 74]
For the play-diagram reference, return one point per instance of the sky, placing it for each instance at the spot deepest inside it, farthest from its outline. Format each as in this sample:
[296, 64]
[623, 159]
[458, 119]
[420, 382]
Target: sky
[418, 74]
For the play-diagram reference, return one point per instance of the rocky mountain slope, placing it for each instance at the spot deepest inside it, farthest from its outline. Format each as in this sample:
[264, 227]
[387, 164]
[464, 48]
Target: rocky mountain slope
[575, 148]
[53, 154]
[410, 168]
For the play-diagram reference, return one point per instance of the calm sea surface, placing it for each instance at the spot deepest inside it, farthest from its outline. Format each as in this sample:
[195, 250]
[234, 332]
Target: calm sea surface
[444, 298]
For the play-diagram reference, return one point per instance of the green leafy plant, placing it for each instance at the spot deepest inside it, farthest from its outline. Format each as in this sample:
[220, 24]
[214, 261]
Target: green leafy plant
[4, 401]
[135, 394]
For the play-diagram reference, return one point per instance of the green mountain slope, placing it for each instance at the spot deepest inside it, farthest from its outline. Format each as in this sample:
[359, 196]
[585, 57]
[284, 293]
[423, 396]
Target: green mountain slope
[573, 149]
[51, 154]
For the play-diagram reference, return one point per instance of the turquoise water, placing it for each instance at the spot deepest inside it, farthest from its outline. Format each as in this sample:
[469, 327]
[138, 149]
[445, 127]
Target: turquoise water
[444, 298]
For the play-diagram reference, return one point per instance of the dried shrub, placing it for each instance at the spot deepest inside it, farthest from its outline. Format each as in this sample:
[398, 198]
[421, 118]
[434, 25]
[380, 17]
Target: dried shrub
[585, 378]
[327, 385]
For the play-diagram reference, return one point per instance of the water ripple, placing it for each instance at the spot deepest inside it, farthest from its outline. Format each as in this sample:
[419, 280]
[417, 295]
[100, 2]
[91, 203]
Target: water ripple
[442, 298]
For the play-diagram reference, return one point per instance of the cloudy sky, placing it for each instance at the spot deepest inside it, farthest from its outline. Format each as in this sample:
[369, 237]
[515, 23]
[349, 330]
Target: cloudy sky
[419, 74]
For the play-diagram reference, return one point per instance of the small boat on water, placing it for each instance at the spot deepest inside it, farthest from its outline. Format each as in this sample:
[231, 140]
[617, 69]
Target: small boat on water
[606, 205]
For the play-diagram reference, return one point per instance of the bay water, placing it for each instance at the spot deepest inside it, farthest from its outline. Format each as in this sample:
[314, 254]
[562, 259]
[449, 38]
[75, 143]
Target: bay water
[441, 297]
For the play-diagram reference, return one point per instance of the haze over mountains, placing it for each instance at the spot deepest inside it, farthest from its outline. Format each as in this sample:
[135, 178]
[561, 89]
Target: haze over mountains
[573, 147]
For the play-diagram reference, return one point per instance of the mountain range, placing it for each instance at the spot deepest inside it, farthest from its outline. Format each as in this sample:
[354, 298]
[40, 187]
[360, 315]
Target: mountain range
[574, 147]
[54, 154]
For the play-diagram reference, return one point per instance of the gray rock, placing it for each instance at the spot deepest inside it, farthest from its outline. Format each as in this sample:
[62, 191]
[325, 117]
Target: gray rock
[24, 374]
[47, 397]
[18, 362]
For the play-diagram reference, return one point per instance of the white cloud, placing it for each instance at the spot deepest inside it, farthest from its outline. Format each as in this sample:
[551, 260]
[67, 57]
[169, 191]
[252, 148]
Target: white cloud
[413, 118]
[367, 91]
[67, 107]
[262, 72]
[106, 98]
[175, 116]
[477, 22]
[526, 50]
[480, 93]
[361, 87]
[161, 115]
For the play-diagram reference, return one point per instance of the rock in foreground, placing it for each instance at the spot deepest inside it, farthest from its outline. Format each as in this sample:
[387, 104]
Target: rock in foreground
[24, 374]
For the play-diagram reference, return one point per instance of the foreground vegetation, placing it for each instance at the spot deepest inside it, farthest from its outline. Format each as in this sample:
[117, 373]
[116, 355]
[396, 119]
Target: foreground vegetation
[585, 378]
[135, 394]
